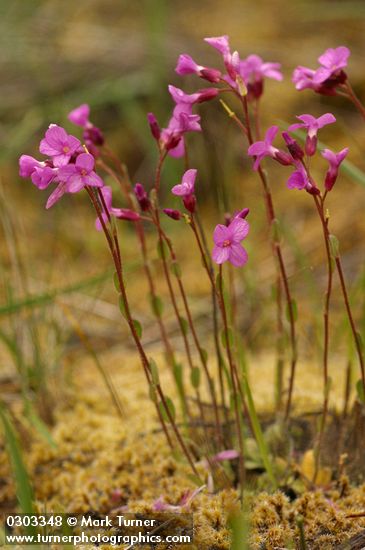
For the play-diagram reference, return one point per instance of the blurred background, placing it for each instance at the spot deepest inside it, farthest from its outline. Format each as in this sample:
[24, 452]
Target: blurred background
[119, 57]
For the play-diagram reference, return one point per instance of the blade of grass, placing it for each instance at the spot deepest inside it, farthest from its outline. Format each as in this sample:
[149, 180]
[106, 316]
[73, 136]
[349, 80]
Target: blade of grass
[24, 491]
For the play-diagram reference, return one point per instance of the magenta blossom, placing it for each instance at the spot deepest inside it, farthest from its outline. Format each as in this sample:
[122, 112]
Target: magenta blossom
[187, 65]
[231, 60]
[120, 213]
[80, 116]
[227, 242]
[262, 149]
[312, 125]
[80, 174]
[328, 76]
[179, 96]
[253, 70]
[186, 190]
[40, 173]
[299, 179]
[187, 185]
[334, 160]
[172, 213]
[59, 145]
[332, 62]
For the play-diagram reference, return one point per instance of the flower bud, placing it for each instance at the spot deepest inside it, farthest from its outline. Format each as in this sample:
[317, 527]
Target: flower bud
[293, 147]
[311, 145]
[142, 197]
[93, 135]
[283, 157]
[129, 215]
[154, 126]
[173, 214]
[212, 75]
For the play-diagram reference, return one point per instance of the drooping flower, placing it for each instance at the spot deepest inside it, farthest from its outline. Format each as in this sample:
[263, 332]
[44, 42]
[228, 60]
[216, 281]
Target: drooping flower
[186, 189]
[120, 213]
[265, 148]
[334, 160]
[227, 242]
[187, 185]
[59, 145]
[312, 125]
[187, 65]
[80, 116]
[299, 179]
[188, 496]
[80, 174]
[40, 173]
[180, 97]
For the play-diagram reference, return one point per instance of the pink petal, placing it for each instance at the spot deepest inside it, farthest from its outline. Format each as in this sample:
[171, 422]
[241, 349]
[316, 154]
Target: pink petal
[56, 136]
[94, 180]
[325, 119]
[221, 234]
[237, 255]
[85, 161]
[220, 254]
[56, 195]
[46, 149]
[271, 133]
[75, 183]
[230, 454]
[238, 230]
[257, 148]
[80, 115]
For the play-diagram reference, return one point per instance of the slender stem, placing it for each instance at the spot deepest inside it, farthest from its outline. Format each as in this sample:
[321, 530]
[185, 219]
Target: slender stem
[195, 335]
[320, 207]
[278, 253]
[125, 185]
[354, 99]
[144, 359]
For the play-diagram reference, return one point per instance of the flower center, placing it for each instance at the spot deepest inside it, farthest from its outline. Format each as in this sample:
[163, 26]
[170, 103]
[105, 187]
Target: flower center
[66, 149]
[226, 243]
[84, 172]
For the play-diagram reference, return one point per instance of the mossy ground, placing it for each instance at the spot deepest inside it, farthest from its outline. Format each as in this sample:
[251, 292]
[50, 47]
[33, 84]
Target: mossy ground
[103, 462]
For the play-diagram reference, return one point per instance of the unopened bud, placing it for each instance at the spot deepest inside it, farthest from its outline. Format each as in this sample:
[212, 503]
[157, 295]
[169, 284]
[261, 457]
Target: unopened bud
[154, 126]
[293, 146]
[173, 214]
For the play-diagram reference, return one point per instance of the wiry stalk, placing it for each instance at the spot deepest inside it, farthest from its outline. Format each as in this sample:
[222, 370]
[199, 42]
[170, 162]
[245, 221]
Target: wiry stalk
[144, 359]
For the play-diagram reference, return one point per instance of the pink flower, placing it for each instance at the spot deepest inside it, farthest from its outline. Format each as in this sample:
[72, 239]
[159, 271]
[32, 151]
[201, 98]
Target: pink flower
[253, 70]
[312, 125]
[334, 160]
[80, 174]
[179, 96]
[262, 149]
[333, 61]
[187, 185]
[40, 173]
[328, 76]
[27, 165]
[231, 60]
[80, 116]
[227, 242]
[59, 145]
[298, 179]
[187, 65]
[120, 213]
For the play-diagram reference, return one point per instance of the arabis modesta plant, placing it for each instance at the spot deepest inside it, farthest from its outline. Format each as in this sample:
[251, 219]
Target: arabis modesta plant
[73, 165]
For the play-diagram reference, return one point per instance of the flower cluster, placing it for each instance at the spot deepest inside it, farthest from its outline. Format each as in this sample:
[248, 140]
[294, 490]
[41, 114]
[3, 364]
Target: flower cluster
[329, 75]
[171, 138]
[70, 165]
[296, 156]
[243, 75]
